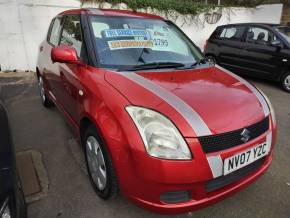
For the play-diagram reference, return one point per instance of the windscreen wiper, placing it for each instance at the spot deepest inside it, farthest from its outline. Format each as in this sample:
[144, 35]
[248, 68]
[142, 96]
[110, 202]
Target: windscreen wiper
[199, 62]
[157, 65]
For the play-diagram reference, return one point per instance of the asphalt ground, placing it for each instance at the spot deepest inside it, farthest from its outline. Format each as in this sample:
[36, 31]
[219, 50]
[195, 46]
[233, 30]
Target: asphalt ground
[70, 193]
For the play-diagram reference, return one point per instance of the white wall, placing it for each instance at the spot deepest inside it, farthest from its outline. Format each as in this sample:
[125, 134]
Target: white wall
[24, 24]
[263, 14]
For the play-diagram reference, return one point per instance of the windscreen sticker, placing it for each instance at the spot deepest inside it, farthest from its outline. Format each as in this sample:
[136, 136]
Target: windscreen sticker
[160, 42]
[158, 33]
[160, 39]
[122, 44]
[115, 33]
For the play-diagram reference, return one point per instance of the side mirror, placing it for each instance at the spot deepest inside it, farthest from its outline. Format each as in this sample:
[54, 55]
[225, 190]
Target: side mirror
[276, 43]
[210, 59]
[64, 54]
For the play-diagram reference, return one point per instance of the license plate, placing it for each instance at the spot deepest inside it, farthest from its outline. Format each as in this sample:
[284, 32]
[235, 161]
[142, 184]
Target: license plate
[240, 160]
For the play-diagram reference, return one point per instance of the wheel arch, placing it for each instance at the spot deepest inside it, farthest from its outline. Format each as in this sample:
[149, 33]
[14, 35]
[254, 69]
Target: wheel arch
[114, 150]
[37, 73]
[284, 72]
[99, 125]
[84, 124]
[108, 117]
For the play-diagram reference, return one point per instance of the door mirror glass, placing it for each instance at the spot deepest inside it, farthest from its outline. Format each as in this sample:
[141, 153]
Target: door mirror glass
[64, 54]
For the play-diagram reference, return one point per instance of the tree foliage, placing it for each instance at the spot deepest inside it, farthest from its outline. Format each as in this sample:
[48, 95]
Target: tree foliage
[189, 7]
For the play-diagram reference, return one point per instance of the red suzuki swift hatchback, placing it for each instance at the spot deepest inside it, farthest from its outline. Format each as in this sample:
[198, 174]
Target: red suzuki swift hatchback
[168, 128]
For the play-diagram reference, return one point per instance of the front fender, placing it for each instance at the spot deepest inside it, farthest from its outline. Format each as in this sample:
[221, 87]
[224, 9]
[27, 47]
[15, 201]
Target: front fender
[104, 106]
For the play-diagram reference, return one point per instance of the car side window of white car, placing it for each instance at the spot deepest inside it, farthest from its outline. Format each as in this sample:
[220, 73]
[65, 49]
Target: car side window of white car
[72, 34]
[53, 37]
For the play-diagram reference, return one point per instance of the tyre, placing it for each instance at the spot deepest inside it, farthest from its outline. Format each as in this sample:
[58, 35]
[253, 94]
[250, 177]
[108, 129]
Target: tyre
[99, 165]
[285, 82]
[44, 98]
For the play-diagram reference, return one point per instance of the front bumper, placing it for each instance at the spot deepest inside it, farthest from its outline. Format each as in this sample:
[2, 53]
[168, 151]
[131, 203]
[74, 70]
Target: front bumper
[146, 179]
[201, 199]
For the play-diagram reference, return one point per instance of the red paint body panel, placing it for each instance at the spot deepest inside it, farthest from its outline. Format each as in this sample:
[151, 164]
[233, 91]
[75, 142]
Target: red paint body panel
[111, 12]
[217, 97]
[224, 103]
[64, 54]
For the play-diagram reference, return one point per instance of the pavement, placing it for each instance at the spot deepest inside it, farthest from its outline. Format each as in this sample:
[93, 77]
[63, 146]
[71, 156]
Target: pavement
[70, 194]
[33, 175]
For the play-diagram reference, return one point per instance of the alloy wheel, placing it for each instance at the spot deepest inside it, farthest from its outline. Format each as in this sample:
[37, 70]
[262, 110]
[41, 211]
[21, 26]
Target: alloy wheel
[287, 82]
[96, 162]
[41, 89]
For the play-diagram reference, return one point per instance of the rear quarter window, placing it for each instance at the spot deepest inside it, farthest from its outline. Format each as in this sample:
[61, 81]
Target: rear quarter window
[231, 33]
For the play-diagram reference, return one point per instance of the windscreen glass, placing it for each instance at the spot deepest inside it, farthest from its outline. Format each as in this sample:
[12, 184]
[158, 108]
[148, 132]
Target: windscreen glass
[124, 42]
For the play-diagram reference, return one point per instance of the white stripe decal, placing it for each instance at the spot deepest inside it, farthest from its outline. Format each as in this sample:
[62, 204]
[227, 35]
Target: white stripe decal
[192, 117]
[216, 165]
[269, 141]
[252, 88]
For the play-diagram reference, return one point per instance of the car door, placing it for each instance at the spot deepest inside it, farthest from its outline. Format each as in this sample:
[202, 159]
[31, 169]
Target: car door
[229, 41]
[50, 69]
[70, 87]
[262, 59]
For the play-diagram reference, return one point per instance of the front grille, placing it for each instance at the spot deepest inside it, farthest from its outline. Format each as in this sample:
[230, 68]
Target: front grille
[231, 139]
[223, 181]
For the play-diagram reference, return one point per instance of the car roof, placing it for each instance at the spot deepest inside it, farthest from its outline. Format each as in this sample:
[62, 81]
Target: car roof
[111, 13]
[253, 24]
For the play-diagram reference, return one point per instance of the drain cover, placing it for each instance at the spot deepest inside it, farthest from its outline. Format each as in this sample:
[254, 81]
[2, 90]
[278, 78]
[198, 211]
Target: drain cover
[32, 174]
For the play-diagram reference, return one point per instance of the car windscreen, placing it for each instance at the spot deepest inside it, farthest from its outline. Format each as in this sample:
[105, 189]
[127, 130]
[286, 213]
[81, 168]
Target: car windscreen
[124, 43]
[285, 32]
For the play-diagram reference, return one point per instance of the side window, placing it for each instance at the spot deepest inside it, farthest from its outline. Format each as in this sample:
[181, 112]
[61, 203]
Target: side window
[259, 35]
[54, 31]
[98, 27]
[72, 33]
[232, 33]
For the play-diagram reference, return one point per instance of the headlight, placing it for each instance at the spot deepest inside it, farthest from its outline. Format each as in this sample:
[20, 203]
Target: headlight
[5, 211]
[160, 136]
[270, 106]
